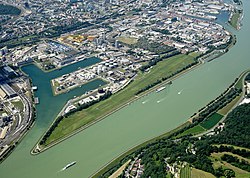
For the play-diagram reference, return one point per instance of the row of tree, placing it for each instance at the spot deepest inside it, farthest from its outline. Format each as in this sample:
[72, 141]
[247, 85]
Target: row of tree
[155, 60]
[235, 132]
[165, 78]
[222, 148]
[240, 163]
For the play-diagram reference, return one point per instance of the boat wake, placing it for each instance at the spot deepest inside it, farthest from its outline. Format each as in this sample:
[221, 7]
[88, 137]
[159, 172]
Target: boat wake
[161, 100]
[145, 101]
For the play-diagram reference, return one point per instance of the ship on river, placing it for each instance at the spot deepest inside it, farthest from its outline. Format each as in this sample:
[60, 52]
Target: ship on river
[69, 165]
[160, 89]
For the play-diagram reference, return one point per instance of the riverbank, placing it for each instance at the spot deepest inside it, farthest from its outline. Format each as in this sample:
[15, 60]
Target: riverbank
[121, 99]
[75, 123]
[239, 83]
[235, 19]
[30, 123]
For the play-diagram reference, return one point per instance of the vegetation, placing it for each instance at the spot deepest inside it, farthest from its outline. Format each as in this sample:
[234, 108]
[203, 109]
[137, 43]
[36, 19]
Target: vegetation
[79, 108]
[192, 131]
[236, 128]
[229, 106]
[211, 121]
[186, 172]
[163, 31]
[127, 40]
[235, 19]
[155, 154]
[196, 173]
[232, 143]
[154, 47]
[155, 60]
[49, 33]
[76, 120]
[209, 116]
[240, 163]
[9, 10]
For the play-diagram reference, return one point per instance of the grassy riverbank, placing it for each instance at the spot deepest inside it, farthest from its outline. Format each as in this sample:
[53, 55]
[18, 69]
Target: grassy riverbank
[194, 130]
[234, 21]
[79, 119]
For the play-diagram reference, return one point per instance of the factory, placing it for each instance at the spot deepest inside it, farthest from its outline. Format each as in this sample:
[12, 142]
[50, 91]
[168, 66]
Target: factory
[6, 91]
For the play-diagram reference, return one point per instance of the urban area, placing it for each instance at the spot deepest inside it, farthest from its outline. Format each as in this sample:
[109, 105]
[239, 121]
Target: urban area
[125, 36]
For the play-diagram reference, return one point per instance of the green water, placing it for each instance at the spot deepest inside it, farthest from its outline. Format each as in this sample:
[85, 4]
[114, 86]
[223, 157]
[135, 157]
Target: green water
[95, 146]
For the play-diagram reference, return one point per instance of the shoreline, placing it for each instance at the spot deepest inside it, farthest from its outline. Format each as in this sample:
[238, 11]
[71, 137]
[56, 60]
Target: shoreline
[18, 140]
[136, 97]
[165, 134]
[202, 59]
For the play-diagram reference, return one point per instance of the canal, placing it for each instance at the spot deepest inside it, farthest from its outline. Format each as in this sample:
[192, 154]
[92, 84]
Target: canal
[148, 117]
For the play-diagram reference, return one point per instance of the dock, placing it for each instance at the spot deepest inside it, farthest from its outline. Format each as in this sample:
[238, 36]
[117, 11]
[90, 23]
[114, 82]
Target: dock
[36, 100]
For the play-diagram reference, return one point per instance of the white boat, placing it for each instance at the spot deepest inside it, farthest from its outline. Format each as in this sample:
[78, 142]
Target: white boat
[160, 89]
[180, 92]
[69, 165]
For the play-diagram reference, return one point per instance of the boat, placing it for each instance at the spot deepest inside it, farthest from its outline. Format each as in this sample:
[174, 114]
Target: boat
[69, 165]
[160, 89]
[180, 92]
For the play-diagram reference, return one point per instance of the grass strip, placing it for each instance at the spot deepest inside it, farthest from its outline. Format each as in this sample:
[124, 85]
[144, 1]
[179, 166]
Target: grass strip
[77, 120]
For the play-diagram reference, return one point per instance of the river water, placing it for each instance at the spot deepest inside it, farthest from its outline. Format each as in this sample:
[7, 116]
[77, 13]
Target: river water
[148, 117]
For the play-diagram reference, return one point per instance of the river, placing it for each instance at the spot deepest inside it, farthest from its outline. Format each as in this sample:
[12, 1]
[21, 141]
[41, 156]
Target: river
[134, 124]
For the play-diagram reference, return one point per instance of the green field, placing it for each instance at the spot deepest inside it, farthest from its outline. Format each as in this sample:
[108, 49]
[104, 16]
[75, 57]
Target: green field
[185, 172]
[205, 125]
[193, 131]
[127, 40]
[211, 121]
[234, 20]
[229, 106]
[79, 119]
[196, 173]
[18, 104]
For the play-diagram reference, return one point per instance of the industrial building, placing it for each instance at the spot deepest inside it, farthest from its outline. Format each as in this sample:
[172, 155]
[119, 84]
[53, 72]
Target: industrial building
[7, 90]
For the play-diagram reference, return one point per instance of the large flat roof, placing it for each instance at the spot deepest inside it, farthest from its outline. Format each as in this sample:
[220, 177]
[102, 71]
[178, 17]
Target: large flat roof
[7, 89]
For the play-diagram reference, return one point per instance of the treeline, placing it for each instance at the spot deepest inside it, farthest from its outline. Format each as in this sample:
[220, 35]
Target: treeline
[9, 10]
[86, 105]
[154, 47]
[148, 87]
[79, 108]
[240, 163]
[163, 31]
[58, 30]
[7, 152]
[212, 107]
[218, 104]
[236, 130]
[155, 60]
[165, 78]
[247, 78]
[242, 152]
[154, 154]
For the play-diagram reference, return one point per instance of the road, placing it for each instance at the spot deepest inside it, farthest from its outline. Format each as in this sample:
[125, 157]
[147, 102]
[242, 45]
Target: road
[236, 104]
[22, 123]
